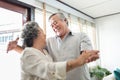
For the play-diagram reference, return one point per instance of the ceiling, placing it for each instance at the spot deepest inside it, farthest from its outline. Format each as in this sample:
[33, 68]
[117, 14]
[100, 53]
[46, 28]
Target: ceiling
[94, 8]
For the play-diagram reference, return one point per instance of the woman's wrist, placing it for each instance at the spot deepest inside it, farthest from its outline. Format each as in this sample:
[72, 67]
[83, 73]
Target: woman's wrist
[72, 64]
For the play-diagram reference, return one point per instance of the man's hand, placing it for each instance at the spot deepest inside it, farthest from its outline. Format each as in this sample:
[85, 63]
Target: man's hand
[88, 56]
[12, 45]
[85, 57]
[93, 55]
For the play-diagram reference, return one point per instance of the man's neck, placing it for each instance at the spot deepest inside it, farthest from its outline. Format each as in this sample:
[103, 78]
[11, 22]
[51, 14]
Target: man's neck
[67, 32]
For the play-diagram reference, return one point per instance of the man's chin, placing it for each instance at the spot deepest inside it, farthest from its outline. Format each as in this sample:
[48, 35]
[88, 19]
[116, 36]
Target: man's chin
[58, 34]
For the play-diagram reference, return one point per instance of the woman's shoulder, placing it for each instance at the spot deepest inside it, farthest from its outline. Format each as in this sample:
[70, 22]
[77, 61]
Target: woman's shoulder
[30, 51]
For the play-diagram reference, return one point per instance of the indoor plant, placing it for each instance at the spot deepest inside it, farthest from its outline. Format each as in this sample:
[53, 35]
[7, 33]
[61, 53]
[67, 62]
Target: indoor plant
[98, 72]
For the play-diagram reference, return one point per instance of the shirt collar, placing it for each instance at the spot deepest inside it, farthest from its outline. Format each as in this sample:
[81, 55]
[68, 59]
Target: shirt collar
[69, 33]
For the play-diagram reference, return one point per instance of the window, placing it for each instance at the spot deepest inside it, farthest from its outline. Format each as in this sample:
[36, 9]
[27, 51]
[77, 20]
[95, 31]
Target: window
[39, 17]
[12, 18]
[74, 26]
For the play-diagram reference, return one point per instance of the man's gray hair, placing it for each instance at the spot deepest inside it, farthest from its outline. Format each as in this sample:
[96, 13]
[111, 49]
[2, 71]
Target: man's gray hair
[61, 15]
[29, 33]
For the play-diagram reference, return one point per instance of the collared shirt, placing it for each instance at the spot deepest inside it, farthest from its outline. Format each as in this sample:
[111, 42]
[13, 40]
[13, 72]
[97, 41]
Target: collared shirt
[38, 66]
[70, 48]
[59, 42]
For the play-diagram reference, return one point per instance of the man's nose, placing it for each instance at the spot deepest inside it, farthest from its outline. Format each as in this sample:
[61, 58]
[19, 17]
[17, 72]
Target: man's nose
[54, 26]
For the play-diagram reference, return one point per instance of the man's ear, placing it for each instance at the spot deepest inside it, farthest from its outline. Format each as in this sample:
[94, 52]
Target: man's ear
[66, 21]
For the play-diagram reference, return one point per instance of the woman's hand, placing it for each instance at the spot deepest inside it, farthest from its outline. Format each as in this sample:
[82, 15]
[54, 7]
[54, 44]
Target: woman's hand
[12, 45]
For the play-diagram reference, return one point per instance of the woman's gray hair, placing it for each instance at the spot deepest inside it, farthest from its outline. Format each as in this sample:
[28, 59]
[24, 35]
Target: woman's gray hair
[29, 33]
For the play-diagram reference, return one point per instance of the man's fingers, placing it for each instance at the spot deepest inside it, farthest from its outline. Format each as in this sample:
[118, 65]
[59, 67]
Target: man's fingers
[91, 55]
[94, 57]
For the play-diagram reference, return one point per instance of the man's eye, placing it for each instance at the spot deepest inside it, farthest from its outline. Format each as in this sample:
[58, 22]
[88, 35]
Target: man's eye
[55, 23]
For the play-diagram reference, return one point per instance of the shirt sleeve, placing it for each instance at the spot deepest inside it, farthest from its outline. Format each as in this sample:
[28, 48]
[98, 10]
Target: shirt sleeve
[37, 65]
[85, 42]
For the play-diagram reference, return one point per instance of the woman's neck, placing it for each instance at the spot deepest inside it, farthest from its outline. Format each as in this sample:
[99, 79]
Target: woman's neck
[39, 47]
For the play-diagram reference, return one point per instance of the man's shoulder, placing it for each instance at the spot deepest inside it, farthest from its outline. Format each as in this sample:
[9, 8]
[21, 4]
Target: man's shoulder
[79, 34]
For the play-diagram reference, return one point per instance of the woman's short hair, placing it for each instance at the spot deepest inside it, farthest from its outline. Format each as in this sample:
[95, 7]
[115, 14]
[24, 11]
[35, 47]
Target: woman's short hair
[29, 33]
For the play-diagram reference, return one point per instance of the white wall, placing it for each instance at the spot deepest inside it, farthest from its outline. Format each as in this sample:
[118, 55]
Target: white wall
[108, 29]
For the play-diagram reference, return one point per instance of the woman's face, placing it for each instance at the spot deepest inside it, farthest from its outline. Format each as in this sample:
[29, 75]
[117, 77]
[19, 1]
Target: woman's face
[41, 38]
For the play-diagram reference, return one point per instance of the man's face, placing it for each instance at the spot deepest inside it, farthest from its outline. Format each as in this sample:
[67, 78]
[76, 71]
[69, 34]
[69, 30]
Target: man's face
[58, 25]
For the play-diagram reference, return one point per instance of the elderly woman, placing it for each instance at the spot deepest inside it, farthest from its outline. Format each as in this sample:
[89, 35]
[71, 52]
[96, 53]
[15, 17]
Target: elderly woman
[37, 64]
